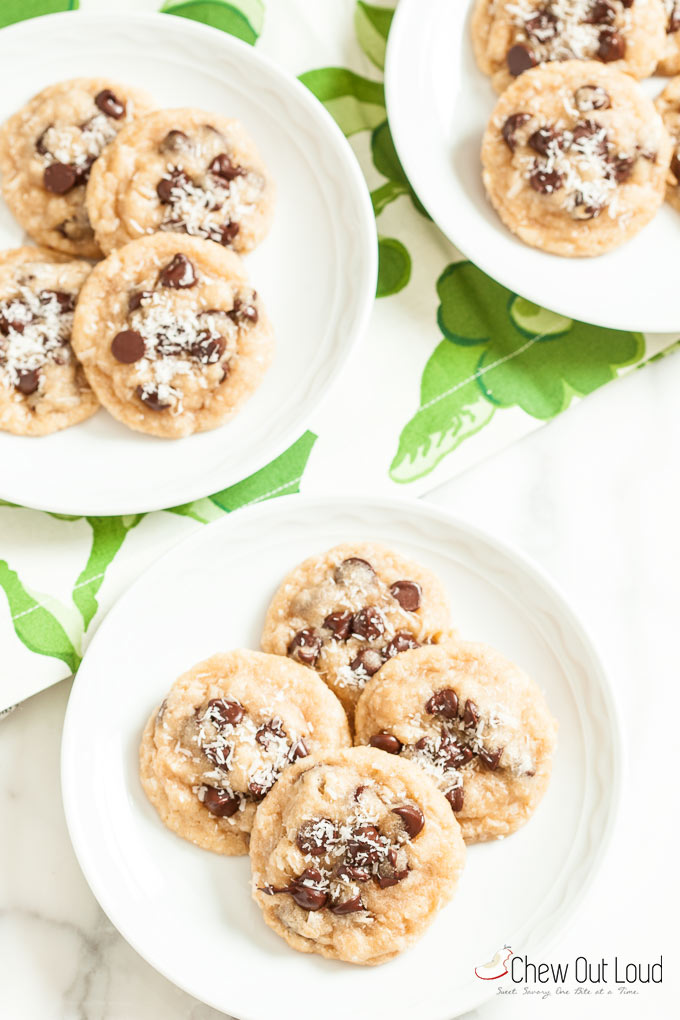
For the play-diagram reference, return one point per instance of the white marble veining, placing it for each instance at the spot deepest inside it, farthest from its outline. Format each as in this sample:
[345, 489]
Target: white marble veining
[595, 498]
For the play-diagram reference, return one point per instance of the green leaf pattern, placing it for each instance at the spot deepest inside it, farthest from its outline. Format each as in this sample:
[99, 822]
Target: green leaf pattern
[241, 18]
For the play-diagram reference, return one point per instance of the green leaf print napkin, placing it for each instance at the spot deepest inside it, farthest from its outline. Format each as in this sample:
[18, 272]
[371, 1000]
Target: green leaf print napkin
[453, 366]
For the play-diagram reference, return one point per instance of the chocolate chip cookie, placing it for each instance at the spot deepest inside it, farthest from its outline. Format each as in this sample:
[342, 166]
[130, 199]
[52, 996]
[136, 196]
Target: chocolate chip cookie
[172, 336]
[48, 149]
[575, 158]
[668, 105]
[511, 36]
[224, 735]
[353, 853]
[347, 611]
[670, 57]
[474, 722]
[186, 172]
[42, 385]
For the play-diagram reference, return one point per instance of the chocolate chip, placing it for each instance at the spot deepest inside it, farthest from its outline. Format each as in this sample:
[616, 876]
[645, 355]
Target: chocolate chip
[229, 233]
[542, 27]
[545, 181]
[304, 892]
[223, 167]
[364, 846]
[178, 273]
[340, 624]
[76, 228]
[354, 571]
[357, 793]
[137, 297]
[260, 790]
[586, 130]
[353, 873]
[305, 647]
[612, 45]
[675, 166]
[412, 817]
[316, 836]
[348, 906]
[673, 20]
[40, 141]
[471, 714]
[175, 181]
[244, 311]
[453, 754]
[621, 168]
[583, 210]
[368, 623]
[600, 13]
[591, 97]
[151, 398]
[67, 302]
[543, 141]
[298, 750]
[407, 594]
[455, 798]
[511, 126]
[221, 802]
[128, 346]
[273, 728]
[208, 349]
[491, 758]
[444, 703]
[386, 742]
[218, 755]
[388, 874]
[174, 141]
[225, 711]
[519, 59]
[59, 178]
[401, 642]
[28, 381]
[368, 660]
[108, 103]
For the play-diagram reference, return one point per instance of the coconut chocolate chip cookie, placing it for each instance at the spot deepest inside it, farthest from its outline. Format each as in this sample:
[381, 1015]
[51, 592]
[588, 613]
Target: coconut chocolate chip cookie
[224, 735]
[182, 171]
[346, 611]
[668, 105]
[669, 62]
[47, 151]
[511, 36]
[42, 385]
[353, 854]
[474, 722]
[172, 336]
[575, 158]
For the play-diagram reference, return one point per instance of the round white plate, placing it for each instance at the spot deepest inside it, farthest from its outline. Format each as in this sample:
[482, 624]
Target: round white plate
[438, 103]
[316, 271]
[189, 912]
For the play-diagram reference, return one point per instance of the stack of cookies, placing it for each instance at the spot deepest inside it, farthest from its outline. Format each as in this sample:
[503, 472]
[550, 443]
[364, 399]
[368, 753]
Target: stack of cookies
[353, 849]
[166, 332]
[576, 159]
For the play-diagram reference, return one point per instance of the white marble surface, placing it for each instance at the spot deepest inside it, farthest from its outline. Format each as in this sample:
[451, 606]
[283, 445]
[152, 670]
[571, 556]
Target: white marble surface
[594, 497]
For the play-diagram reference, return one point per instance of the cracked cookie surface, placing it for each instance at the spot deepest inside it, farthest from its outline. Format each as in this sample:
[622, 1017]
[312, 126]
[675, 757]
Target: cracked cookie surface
[225, 733]
[353, 853]
[182, 171]
[348, 610]
[42, 385]
[172, 336]
[473, 722]
[575, 158]
[48, 150]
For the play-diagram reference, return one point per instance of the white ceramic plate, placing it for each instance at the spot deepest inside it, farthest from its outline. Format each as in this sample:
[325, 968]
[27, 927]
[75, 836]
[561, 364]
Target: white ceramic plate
[439, 103]
[316, 270]
[189, 912]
